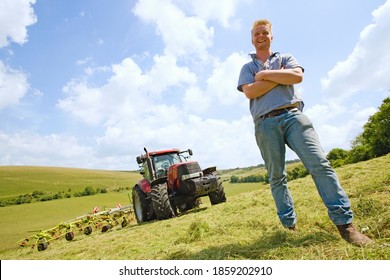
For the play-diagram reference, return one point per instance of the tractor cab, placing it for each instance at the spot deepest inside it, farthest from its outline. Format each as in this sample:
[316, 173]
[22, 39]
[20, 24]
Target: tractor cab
[155, 165]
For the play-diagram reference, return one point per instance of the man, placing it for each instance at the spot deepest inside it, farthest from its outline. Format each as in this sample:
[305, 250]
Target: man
[268, 82]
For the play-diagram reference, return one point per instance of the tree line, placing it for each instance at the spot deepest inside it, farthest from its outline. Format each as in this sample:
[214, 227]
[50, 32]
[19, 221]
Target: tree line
[297, 172]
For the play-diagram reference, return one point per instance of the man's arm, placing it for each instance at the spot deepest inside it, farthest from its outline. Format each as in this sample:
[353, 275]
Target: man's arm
[257, 88]
[282, 76]
[266, 80]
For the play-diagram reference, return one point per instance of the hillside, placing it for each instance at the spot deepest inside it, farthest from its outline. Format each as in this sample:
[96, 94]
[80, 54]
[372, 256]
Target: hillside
[245, 227]
[16, 180]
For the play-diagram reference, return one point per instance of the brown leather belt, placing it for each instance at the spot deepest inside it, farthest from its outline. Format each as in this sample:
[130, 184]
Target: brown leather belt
[278, 112]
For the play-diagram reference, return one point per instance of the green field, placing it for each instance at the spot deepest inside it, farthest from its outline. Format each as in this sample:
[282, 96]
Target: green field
[245, 227]
[18, 180]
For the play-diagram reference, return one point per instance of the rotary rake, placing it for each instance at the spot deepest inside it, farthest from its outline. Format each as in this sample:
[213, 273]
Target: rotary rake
[95, 221]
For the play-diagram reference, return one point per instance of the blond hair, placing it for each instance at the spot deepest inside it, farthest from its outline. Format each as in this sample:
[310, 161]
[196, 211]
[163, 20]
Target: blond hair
[262, 22]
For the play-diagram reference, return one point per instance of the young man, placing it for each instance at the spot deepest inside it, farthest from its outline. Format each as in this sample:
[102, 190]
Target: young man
[268, 82]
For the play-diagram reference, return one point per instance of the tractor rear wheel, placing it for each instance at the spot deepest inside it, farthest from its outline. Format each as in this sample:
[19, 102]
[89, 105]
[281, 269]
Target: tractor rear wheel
[141, 205]
[160, 201]
[217, 196]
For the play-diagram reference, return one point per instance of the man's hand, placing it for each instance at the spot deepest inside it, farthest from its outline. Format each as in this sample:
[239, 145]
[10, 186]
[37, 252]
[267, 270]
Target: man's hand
[262, 75]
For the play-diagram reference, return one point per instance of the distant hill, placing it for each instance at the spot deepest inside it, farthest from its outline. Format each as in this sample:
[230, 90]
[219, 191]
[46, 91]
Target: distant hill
[58, 182]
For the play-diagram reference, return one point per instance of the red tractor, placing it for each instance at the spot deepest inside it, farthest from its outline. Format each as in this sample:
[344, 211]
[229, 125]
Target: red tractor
[172, 185]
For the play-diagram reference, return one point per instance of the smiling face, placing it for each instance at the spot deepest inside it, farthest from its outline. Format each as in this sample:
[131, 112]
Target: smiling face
[262, 37]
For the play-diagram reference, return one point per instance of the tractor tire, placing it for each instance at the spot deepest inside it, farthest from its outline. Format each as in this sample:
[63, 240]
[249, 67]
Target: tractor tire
[217, 196]
[188, 205]
[141, 206]
[160, 201]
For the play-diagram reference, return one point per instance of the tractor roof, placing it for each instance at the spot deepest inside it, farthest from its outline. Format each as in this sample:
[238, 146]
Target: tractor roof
[163, 152]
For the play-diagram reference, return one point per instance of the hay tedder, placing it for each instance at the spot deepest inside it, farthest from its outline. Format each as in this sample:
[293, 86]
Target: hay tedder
[86, 224]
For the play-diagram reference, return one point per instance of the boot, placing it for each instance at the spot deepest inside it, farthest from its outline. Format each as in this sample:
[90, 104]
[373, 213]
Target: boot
[350, 234]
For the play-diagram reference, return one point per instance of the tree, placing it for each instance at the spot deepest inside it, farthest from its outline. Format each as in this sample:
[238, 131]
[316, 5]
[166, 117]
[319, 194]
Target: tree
[337, 157]
[359, 153]
[376, 134]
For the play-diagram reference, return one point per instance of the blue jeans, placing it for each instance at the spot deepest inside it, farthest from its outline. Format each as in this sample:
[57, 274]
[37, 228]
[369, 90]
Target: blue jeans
[296, 130]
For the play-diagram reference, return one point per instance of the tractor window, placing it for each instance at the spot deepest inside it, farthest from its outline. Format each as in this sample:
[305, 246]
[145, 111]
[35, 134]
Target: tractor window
[163, 162]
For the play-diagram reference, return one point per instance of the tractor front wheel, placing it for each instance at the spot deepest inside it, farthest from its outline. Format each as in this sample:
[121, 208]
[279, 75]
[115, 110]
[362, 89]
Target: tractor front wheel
[160, 201]
[217, 196]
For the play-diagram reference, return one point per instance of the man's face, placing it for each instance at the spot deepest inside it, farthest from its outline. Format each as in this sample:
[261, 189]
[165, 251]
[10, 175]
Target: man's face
[262, 37]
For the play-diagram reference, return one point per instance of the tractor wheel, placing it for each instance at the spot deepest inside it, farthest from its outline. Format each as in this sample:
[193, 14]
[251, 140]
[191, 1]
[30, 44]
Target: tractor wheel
[188, 205]
[160, 201]
[88, 230]
[69, 236]
[141, 206]
[217, 196]
[42, 246]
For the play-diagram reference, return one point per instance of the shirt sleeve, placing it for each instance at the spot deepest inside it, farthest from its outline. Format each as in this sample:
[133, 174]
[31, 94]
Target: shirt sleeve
[247, 76]
[290, 62]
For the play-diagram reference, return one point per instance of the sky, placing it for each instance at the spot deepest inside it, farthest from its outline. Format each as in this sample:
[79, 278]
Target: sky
[90, 83]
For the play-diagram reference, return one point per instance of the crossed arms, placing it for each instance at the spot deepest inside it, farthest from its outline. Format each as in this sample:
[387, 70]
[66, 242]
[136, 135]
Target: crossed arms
[268, 79]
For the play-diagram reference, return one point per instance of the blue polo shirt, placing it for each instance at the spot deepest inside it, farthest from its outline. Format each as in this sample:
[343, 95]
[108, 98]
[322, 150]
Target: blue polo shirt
[279, 96]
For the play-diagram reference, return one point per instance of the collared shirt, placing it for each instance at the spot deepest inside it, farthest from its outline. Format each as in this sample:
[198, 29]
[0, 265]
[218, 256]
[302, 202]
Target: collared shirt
[279, 96]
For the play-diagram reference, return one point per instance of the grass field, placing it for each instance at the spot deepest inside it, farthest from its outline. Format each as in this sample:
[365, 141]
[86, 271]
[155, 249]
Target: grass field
[18, 180]
[245, 227]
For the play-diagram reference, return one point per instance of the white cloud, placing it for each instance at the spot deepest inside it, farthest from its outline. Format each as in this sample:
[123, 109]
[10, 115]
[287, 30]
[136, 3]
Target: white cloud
[196, 101]
[367, 68]
[215, 10]
[13, 86]
[129, 92]
[25, 148]
[15, 16]
[166, 73]
[223, 81]
[347, 125]
[182, 35]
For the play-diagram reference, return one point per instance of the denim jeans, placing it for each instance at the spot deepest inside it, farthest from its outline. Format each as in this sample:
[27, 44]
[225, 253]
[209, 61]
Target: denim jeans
[296, 130]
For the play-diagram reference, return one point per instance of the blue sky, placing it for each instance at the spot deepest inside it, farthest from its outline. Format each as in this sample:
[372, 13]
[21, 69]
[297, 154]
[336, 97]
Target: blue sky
[90, 83]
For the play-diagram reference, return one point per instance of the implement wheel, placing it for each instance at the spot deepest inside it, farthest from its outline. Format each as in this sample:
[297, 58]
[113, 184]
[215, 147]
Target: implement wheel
[88, 230]
[69, 236]
[106, 228]
[42, 246]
